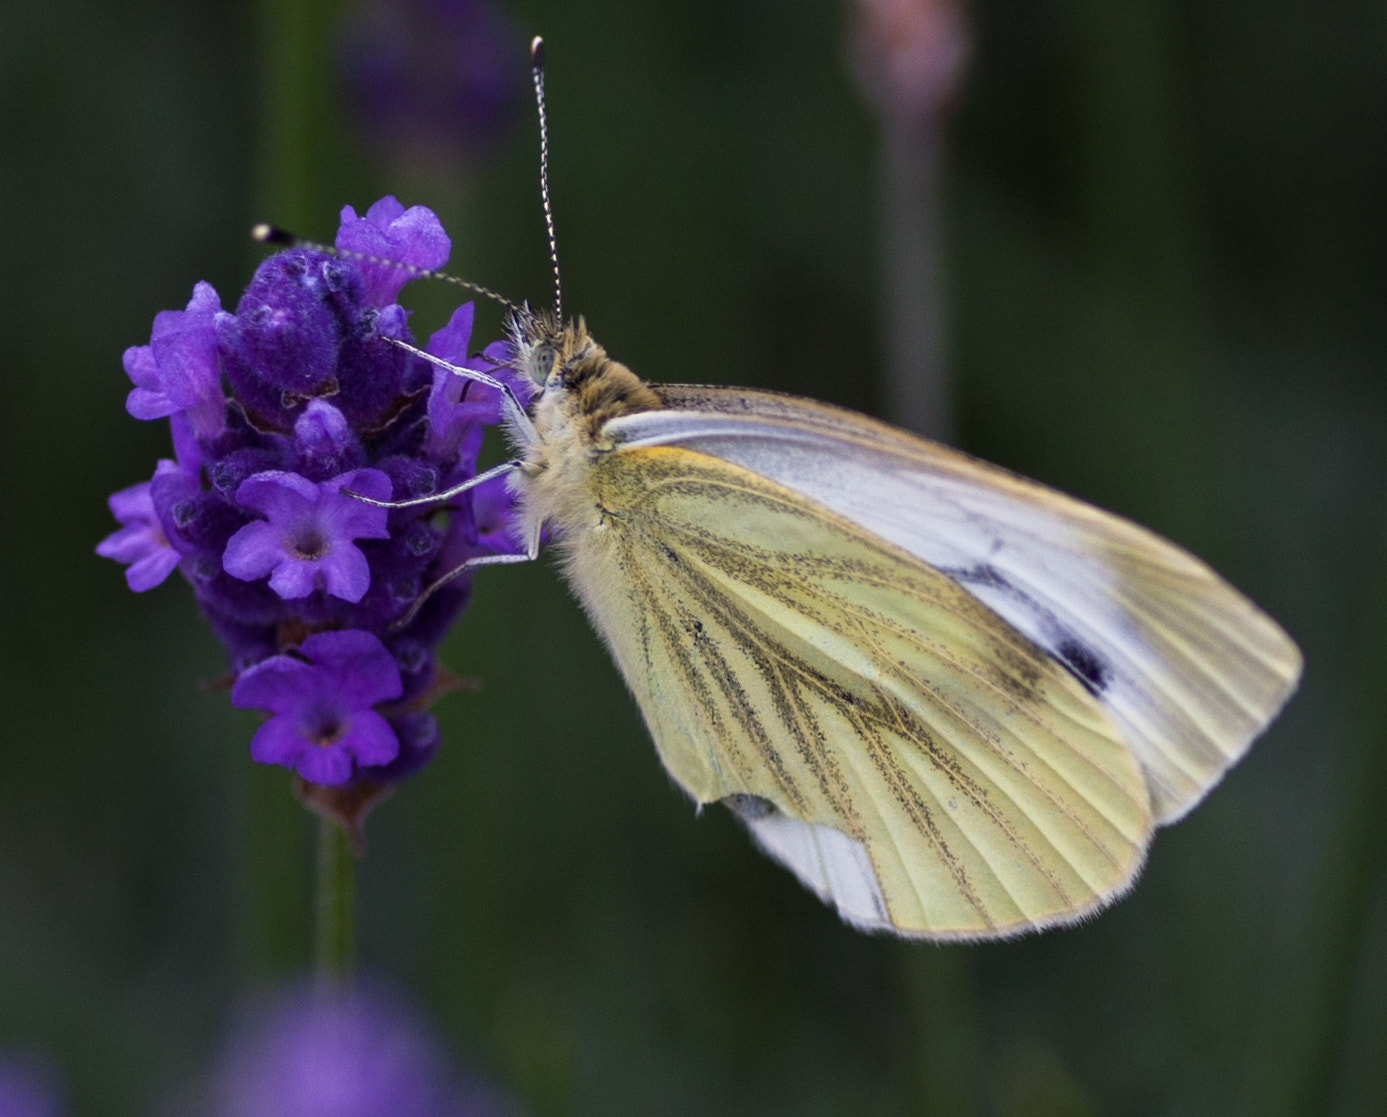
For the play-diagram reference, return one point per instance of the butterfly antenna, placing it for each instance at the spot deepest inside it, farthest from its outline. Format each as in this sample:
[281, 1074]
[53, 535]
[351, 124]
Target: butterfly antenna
[537, 68]
[270, 234]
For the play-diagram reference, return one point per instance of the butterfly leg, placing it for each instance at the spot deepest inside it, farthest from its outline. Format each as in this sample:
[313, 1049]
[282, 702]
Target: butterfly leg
[530, 552]
[437, 498]
[517, 412]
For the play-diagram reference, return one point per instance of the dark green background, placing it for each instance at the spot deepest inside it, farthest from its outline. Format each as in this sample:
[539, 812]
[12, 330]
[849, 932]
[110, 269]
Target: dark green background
[1167, 265]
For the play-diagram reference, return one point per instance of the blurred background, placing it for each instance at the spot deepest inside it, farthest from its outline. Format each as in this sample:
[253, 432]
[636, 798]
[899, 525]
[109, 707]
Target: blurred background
[1136, 250]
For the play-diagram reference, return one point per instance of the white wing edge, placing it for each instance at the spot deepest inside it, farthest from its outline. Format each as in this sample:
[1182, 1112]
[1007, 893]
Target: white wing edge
[828, 863]
[838, 870]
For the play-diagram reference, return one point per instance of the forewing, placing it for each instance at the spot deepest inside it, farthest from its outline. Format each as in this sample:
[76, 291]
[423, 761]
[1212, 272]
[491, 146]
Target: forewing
[1185, 665]
[909, 755]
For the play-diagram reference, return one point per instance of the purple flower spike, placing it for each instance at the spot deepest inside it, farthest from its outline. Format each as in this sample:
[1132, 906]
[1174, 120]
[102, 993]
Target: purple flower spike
[179, 370]
[140, 542]
[323, 724]
[277, 410]
[306, 541]
[413, 237]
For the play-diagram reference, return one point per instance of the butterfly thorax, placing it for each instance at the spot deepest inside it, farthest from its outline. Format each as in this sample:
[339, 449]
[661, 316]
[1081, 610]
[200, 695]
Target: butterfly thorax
[581, 389]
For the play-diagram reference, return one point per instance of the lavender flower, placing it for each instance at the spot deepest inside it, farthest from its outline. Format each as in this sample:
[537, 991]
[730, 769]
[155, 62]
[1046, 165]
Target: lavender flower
[307, 540]
[177, 370]
[322, 702]
[412, 237]
[278, 411]
[358, 1052]
[431, 82]
[29, 1086]
[140, 542]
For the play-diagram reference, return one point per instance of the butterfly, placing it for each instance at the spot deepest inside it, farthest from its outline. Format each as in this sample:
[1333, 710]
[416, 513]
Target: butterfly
[954, 702]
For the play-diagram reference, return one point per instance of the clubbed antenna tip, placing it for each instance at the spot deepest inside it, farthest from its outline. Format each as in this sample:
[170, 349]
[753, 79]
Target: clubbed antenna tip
[271, 234]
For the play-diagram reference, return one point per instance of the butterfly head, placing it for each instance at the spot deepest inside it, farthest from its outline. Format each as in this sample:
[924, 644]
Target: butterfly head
[549, 350]
[563, 359]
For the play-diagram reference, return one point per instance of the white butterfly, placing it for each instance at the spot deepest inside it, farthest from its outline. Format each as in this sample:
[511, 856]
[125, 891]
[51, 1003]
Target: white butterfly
[955, 703]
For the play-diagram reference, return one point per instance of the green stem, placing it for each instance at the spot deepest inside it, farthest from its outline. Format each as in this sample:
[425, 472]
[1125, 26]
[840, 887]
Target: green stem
[305, 167]
[918, 387]
[336, 904]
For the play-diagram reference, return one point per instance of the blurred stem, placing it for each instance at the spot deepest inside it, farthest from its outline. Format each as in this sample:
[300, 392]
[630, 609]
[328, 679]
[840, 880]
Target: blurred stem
[300, 151]
[945, 1044]
[1340, 941]
[1133, 146]
[335, 943]
[917, 373]
[276, 931]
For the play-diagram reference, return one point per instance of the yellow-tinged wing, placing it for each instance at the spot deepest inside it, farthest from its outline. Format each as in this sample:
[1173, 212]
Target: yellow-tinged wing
[911, 756]
[1189, 669]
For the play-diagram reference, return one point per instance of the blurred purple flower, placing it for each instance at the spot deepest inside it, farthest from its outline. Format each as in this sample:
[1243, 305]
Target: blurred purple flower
[910, 54]
[29, 1086]
[362, 1051]
[432, 81]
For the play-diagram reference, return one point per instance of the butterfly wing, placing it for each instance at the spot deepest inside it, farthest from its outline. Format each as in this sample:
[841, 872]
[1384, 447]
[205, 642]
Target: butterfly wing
[911, 756]
[1188, 669]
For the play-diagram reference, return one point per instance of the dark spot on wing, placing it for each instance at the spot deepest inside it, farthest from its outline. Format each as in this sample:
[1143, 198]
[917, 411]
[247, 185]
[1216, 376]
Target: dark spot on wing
[980, 575]
[750, 807]
[1076, 657]
[1083, 663]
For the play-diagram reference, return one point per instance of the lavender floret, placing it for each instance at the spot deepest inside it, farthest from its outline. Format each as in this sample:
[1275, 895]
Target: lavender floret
[140, 542]
[410, 237]
[307, 540]
[177, 372]
[322, 701]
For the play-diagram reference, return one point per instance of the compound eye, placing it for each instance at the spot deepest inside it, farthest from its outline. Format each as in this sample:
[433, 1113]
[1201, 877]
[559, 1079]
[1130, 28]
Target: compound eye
[543, 358]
